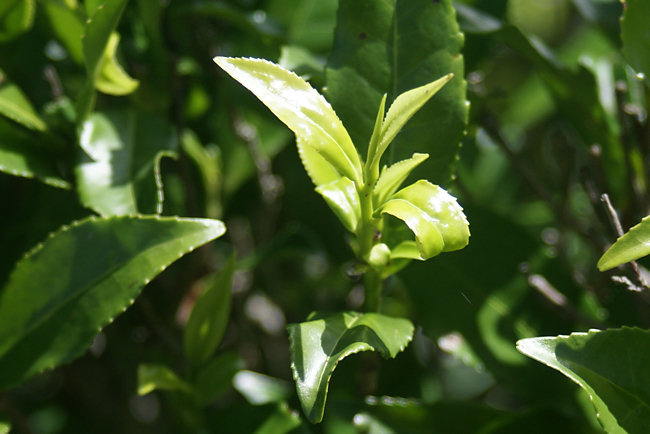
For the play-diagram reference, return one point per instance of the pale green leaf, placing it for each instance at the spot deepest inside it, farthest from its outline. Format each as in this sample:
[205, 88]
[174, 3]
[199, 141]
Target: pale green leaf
[159, 377]
[317, 346]
[634, 244]
[403, 109]
[612, 366]
[320, 171]
[301, 108]
[67, 27]
[118, 171]
[63, 292]
[433, 215]
[209, 318]
[635, 34]
[16, 17]
[342, 197]
[112, 79]
[5, 427]
[372, 171]
[392, 177]
[15, 105]
[260, 389]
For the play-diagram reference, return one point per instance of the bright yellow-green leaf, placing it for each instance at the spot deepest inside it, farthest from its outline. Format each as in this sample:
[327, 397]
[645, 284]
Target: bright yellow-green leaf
[15, 105]
[159, 377]
[634, 244]
[392, 177]
[342, 197]
[112, 79]
[433, 215]
[302, 109]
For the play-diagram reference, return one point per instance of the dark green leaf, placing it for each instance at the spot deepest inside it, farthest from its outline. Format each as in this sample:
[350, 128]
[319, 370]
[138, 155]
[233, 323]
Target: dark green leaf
[260, 389]
[613, 366]
[158, 377]
[209, 318]
[635, 34]
[15, 105]
[379, 48]
[119, 168]
[65, 290]
[317, 346]
[214, 378]
[634, 244]
[281, 421]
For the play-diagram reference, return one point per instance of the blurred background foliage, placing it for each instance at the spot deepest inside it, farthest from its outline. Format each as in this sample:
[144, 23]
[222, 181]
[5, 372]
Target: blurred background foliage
[557, 118]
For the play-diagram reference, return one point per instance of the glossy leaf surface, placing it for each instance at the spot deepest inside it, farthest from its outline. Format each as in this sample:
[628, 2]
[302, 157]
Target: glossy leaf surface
[67, 289]
[260, 389]
[635, 35]
[119, 165]
[318, 345]
[612, 366]
[302, 109]
[399, 45]
[342, 197]
[158, 377]
[112, 79]
[634, 244]
[209, 318]
[391, 178]
[433, 215]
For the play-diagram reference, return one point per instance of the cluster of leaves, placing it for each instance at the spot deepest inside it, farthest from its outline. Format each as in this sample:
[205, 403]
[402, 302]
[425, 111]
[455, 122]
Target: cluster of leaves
[559, 97]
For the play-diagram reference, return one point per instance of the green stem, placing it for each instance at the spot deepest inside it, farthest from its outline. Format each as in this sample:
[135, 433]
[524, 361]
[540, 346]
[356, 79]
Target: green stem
[372, 285]
[372, 281]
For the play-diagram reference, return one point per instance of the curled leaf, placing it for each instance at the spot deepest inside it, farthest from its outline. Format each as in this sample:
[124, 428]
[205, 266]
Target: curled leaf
[392, 177]
[342, 197]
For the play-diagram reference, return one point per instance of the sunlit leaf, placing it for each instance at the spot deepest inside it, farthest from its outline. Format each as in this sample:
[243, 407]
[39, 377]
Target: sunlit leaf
[112, 79]
[16, 17]
[68, 28]
[433, 215]
[260, 389]
[159, 377]
[209, 318]
[631, 246]
[71, 286]
[612, 366]
[342, 197]
[301, 108]
[118, 171]
[15, 105]
[317, 346]
[391, 178]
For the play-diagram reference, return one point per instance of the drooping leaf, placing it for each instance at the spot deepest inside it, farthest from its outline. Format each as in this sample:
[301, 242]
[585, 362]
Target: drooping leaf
[392, 177]
[159, 377]
[317, 346]
[342, 197]
[634, 244]
[612, 366]
[118, 171]
[392, 47]
[209, 317]
[66, 289]
[15, 105]
[112, 79]
[433, 215]
[21, 156]
[260, 389]
[98, 30]
[302, 109]
[16, 17]
[635, 35]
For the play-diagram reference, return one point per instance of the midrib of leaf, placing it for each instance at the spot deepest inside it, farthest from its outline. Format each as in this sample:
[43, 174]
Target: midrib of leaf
[66, 301]
[26, 116]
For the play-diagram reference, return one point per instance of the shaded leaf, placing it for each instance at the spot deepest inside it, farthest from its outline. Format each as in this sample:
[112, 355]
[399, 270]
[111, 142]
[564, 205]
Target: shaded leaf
[281, 421]
[21, 156]
[15, 105]
[433, 215]
[112, 79]
[158, 377]
[214, 378]
[317, 346]
[209, 317]
[634, 244]
[119, 164]
[302, 109]
[67, 27]
[65, 290]
[635, 35]
[260, 389]
[390, 47]
[16, 17]
[342, 197]
[612, 367]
